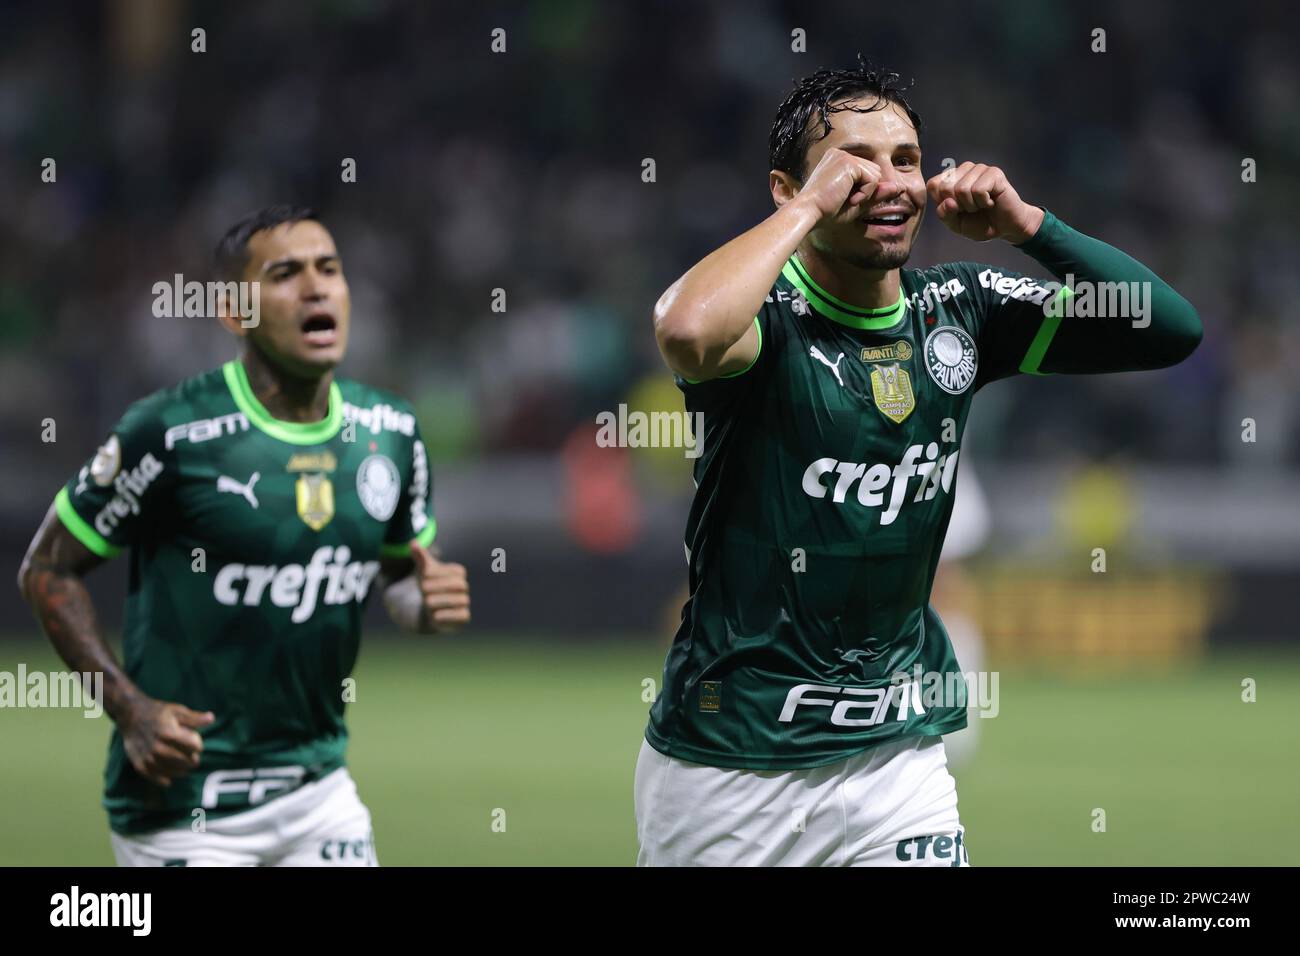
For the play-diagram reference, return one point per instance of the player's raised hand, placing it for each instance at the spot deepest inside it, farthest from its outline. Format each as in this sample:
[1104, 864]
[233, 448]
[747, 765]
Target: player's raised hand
[162, 740]
[840, 182]
[444, 589]
[976, 201]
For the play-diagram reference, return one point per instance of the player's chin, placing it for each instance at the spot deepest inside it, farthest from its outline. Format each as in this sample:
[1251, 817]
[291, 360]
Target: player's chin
[314, 361]
[887, 254]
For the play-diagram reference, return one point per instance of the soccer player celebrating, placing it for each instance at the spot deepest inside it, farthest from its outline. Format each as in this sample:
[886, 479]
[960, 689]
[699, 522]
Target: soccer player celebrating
[259, 501]
[799, 722]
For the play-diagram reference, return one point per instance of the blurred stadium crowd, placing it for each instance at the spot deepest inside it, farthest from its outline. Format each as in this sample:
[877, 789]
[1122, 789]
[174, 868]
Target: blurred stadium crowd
[522, 171]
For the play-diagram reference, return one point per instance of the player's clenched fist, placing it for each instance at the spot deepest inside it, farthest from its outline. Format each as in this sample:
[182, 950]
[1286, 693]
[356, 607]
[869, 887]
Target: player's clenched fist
[161, 739]
[976, 201]
[444, 591]
[840, 181]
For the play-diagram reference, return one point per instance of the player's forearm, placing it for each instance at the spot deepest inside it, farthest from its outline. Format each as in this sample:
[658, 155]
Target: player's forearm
[711, 308]
[64, 609]
[1157, 327]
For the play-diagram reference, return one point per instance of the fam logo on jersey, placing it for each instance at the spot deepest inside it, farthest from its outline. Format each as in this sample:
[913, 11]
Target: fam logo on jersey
[250, 786]
[313, 490]
[798, 304]
[951, 358]
[859, 706]
[378, 486]
[205, 429]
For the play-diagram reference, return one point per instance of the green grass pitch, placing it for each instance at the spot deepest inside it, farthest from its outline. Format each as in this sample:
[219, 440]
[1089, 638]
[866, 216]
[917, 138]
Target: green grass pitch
[448, 733]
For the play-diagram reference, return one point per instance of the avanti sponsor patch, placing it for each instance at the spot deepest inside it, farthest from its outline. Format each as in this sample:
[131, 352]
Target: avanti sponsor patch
[899, 351]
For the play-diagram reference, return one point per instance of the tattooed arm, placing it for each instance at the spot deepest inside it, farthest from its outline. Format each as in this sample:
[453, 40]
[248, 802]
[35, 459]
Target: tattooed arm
[160, 738]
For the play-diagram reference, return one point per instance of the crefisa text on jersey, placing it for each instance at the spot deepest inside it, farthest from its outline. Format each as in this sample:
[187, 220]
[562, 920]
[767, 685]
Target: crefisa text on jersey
[293, 586]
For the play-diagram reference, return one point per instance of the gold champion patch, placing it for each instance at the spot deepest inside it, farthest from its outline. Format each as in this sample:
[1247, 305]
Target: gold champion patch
[314, 490]
[899, 351]
[315, 495]
[891, 387]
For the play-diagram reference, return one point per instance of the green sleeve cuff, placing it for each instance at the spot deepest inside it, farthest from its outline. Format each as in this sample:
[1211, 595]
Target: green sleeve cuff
[95, 542]
[757, 352]
[1048, 230]
[402, 549]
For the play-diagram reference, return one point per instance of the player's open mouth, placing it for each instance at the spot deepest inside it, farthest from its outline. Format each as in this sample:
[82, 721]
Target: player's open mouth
[887, 223]
[321, 329]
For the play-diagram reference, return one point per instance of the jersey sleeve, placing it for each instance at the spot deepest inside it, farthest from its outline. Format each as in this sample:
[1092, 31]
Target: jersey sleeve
[1103, 312]
[414, 515]
[120, 494]
[726, 388]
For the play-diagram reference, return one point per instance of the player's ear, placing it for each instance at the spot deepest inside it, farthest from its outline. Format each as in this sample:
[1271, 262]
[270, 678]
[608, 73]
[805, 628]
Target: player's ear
[227, 310]
[784, 187]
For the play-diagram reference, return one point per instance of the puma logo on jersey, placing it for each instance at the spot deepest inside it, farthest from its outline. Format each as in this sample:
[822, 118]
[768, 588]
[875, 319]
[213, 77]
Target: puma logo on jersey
[244, 490]
[816, 353]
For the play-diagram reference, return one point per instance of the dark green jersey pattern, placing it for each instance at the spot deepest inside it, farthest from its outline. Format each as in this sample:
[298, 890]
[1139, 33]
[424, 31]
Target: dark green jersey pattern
[825, 487]
[254, 544]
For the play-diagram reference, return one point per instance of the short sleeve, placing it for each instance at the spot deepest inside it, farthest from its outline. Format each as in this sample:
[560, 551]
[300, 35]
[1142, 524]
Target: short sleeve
[726, 388]
[414, 515]
[120, 493]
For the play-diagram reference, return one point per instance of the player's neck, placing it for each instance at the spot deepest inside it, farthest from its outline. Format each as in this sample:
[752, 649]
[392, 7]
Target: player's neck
[286, 397]
[856, 285]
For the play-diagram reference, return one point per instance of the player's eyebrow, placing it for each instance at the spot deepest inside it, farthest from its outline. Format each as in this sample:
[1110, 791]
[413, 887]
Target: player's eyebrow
[297, 262]
[868, 148]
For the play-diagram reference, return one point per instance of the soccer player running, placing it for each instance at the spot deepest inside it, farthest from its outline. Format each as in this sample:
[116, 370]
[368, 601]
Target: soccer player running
[798, 722]
[259, 501]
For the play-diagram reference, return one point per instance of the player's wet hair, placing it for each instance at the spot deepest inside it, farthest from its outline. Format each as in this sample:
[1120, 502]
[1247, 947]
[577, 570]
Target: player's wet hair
[818, 96]
[232, 250]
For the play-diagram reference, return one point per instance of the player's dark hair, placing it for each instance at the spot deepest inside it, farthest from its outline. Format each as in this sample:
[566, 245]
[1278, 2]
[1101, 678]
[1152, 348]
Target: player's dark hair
[817, 97]
[232, 250]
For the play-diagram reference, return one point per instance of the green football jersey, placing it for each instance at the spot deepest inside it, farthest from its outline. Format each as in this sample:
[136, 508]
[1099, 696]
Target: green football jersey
[254, 544]
[823, 492]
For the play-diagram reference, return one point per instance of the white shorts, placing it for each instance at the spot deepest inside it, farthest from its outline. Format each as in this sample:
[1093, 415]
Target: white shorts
[323, 823]
[891, 805]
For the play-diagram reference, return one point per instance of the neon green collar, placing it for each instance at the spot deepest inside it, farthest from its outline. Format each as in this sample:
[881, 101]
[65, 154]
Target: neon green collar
[295, 433]
[837, 309]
